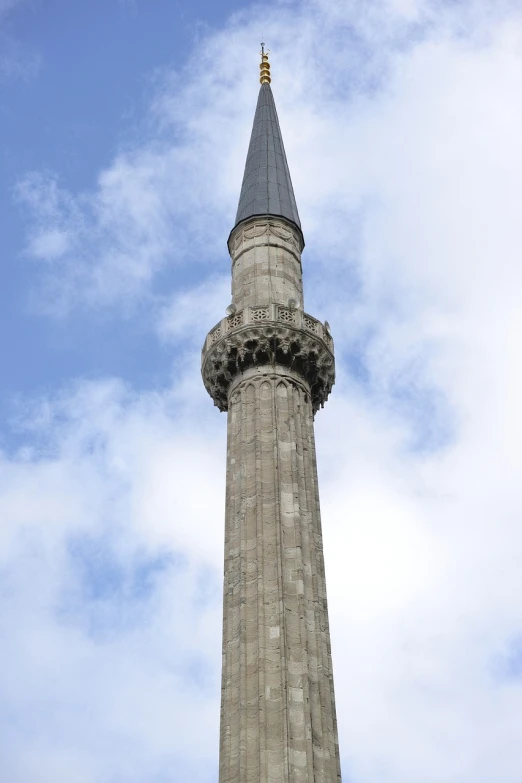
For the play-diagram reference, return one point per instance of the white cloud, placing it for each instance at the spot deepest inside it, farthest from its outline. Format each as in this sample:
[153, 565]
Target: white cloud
[112, 582]
[50, 245]
[182, 317]
[403, 144]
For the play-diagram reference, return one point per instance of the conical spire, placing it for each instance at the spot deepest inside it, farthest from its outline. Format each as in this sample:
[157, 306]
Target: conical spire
[267, 187]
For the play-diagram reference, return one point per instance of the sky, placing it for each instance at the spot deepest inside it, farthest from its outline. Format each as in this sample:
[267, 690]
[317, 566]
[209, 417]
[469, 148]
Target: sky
[124, 127]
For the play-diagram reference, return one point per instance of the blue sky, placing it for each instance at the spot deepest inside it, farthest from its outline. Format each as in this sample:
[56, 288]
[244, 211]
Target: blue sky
[76, 93]
[123, 135]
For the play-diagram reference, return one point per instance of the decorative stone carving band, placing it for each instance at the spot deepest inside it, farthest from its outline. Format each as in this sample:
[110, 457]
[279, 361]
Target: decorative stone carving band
[263, 345]
[256, 377]
[272, 312]
[265, 231]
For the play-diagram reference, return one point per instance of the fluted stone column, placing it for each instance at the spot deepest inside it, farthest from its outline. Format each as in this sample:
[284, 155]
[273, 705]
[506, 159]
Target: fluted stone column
[271, 366]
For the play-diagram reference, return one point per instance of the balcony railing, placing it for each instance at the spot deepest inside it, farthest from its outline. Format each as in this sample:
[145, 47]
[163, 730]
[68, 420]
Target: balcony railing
[259, 314]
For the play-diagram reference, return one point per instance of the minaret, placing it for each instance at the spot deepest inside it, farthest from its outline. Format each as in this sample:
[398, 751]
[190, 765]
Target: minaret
[271, 366]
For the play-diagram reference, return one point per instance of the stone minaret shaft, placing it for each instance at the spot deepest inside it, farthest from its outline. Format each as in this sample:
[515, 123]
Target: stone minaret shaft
[271, 367]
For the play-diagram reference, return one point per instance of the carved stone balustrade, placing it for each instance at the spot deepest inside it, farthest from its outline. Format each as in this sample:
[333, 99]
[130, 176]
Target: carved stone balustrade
[268, 335]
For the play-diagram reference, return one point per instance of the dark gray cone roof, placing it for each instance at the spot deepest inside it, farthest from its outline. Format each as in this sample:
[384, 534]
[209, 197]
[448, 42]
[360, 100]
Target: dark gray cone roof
[267, 187]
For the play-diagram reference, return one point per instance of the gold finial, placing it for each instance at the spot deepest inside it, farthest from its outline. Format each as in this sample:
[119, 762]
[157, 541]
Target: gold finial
[265, 66]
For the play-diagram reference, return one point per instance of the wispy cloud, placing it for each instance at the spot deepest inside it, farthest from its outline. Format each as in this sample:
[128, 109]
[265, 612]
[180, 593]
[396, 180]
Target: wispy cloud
[123, 596]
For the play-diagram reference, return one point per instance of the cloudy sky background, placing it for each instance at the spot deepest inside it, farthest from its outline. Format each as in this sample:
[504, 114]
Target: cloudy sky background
[123, 134]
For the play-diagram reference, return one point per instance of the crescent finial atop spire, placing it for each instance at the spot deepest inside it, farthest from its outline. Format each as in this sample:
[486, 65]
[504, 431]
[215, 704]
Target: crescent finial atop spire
[264, 66]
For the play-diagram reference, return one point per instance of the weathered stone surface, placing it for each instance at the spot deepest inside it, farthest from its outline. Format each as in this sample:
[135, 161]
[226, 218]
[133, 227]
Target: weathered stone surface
[278, 713]
[270, 365]
[230, 351]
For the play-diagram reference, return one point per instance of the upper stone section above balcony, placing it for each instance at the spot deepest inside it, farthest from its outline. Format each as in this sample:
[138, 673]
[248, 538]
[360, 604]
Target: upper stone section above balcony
[266, 262]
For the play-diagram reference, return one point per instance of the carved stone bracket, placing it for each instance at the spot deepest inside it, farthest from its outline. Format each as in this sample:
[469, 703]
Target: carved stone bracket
[268, 343]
